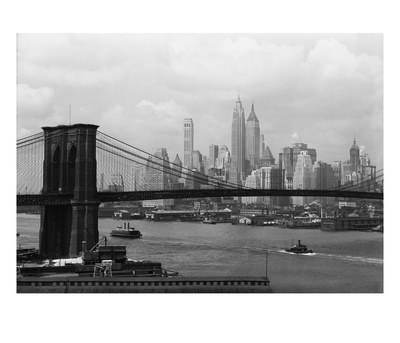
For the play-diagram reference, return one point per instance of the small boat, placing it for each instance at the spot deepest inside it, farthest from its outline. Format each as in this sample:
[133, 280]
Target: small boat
[209, 221]
[126, 231]
[378, 228]
[136, 215]
[299, 249]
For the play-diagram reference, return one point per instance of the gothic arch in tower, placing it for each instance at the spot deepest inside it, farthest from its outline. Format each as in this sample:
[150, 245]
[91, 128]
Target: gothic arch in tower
[71, 169]
[55, 169]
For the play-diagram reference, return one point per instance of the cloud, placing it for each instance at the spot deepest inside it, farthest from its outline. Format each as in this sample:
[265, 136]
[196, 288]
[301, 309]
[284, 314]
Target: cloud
[325, 88]
[71, 77]
[33, 105]
[33, 101]
[148, 125]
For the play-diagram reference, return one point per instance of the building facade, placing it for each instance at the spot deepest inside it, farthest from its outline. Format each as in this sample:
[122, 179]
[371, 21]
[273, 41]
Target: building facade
[267, 159]
[188, 142]
[302, 176]
[323, 178]
[253, 139]
[354, 157]
[213, 156]
[157, 176]
[237, 166]
[289, 158]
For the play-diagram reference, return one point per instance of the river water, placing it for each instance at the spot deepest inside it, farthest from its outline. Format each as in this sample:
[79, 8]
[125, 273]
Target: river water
[343, 262]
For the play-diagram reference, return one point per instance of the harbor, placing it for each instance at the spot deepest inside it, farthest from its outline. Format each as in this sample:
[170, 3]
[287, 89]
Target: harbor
[352, 261]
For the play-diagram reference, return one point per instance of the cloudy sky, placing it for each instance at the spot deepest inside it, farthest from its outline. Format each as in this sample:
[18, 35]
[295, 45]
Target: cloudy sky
[319, 89]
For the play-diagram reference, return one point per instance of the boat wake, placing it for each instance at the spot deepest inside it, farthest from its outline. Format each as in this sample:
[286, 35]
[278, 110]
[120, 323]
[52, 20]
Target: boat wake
[359, 259]
[293, 253]
[271, 249]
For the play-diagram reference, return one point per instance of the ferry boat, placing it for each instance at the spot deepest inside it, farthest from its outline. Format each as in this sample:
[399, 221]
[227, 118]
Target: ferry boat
[299, 249]
[126, 231]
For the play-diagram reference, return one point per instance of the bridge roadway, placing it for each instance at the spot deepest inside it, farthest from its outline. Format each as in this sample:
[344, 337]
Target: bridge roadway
[65, 199]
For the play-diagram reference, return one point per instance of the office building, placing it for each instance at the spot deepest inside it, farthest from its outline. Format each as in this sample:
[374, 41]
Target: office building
[262, 145]
[354, 157]
[213, 156]
[188, 142]
[253, 139]
[323, 178]
[289, 158]
[157, 177]
[302, 176]
[223, 157]
[237, 167]
[267, 159]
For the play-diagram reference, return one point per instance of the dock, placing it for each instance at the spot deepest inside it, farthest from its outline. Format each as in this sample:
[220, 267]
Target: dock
[79, 284]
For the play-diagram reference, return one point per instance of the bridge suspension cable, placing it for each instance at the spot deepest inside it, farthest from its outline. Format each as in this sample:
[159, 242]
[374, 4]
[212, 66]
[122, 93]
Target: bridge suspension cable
[122, 167]
[30, 155]
[144, 160]
[368, 180]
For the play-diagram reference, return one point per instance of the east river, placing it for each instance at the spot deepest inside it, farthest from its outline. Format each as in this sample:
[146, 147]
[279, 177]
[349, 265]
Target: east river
[343, 262]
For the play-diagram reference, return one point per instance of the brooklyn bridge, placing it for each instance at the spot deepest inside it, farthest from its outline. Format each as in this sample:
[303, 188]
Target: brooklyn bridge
[69, 170]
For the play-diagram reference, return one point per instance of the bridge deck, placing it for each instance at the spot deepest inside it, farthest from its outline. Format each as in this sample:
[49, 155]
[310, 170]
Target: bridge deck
[64, 199]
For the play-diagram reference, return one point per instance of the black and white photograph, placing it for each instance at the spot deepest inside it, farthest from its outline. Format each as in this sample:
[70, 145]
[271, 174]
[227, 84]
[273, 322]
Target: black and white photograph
[233, 171]
[200, 163]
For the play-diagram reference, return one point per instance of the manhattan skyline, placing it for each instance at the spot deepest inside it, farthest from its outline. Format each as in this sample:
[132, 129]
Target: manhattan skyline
[320, 89]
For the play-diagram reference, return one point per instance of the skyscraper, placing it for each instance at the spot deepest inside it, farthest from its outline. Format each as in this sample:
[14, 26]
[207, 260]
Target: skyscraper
[289, 156]
[267, 159]
[323, 178]
[157, 173]
[302, 176]
[262, 145]
[253, 139]
[188, 140]
[237, 168]
[213, 156]
[177, 170]
[354, 156]
[157, 176]
[223, 156]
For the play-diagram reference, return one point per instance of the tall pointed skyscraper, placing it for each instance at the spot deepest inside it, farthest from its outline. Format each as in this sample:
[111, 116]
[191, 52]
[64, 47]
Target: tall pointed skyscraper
[188, 140]
[253, 139]
[237, 170]
[354, 157]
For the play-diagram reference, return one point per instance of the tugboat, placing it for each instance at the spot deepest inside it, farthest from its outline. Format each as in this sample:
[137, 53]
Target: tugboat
[126, 231]
[299, 249]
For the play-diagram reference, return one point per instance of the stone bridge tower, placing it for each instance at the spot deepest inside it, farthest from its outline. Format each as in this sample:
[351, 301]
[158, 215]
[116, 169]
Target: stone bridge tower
[69, 168]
